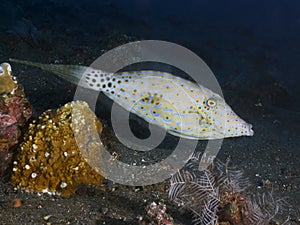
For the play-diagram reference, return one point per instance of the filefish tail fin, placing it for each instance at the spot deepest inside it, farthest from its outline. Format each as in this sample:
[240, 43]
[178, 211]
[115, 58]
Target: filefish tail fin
[72, 73]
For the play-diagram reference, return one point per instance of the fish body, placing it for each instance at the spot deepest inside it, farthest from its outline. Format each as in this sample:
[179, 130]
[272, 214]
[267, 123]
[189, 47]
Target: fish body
[182, 107]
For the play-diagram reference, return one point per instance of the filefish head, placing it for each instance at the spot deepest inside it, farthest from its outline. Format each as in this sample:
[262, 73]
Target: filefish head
[220, 121]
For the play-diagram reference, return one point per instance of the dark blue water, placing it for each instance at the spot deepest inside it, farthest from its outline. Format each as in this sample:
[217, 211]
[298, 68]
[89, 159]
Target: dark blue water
[250, 43]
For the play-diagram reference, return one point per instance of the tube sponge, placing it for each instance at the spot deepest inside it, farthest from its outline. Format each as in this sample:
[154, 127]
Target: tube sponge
[50, 159]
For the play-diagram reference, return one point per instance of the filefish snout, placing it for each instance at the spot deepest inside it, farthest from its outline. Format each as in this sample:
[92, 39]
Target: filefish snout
[245, 129]
[235, 126]
[249, 132]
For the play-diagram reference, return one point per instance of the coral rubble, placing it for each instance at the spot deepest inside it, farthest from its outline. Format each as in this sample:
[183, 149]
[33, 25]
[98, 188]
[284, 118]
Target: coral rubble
[51, 157]
[15, 111]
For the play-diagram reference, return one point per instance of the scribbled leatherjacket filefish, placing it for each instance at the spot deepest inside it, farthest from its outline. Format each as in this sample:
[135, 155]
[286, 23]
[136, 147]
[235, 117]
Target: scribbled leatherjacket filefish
[183, 108]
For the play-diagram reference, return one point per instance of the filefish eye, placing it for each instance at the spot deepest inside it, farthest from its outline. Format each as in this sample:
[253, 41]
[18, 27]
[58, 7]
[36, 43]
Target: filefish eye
[1, 71]
[211, 102]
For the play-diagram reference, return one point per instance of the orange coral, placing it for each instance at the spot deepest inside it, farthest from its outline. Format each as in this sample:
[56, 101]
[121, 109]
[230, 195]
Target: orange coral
[50, 159]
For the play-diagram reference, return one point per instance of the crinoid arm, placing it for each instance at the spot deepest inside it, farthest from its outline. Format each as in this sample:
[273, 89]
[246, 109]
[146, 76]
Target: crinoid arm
[216, 195]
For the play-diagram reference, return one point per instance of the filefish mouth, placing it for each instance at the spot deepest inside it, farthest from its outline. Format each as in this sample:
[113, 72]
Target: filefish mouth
[250, 132]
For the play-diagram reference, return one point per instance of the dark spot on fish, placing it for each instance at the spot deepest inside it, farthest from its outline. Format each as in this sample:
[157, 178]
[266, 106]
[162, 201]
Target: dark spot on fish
[114, 79]
[102, 80]
[122, 89]
[119, 82]
[94, 80]
[103, 86]
[109, 84]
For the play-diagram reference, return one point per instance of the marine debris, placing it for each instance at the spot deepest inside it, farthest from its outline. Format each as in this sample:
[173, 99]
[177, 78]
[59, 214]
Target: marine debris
[215, 196]
[15, 111]
[50, 159]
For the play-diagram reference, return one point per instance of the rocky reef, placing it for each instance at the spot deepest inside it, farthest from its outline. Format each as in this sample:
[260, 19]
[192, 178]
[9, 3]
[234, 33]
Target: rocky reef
[51, 158]
[15, 111]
